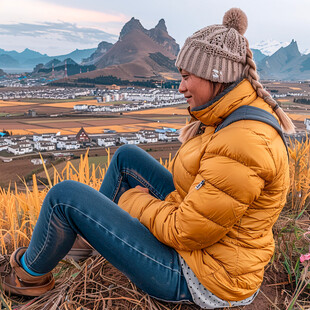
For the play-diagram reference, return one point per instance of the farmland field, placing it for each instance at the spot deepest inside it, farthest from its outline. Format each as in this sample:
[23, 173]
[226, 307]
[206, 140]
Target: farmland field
[71, 123]
[178, 110]
[14, 103]
[68, 122]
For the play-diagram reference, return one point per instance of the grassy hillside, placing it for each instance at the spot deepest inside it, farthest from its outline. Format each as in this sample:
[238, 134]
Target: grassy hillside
[98, 285]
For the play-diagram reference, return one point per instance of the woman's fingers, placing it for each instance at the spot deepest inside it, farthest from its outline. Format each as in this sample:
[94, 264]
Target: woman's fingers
[142, 189]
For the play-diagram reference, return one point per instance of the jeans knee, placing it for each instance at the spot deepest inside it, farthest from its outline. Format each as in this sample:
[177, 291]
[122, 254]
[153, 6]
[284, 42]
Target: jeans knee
[125, 152]
[126, 149]
[61, 190]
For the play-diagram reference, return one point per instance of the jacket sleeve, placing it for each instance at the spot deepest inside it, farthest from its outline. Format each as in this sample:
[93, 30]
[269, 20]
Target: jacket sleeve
[207, 213]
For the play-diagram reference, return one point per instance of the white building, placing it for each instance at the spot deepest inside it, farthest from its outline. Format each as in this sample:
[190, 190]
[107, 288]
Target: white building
[80, 107]
[150, 138]
[14, 149]
[107, 141]
[44, 146]
[172, 136]
[116, 97]
[129, 138]
[46, 137]
[3, 147]
[68, 144]
[147, 136]
[307, 123]
[20, 148]
[107, 98]
[37, 161]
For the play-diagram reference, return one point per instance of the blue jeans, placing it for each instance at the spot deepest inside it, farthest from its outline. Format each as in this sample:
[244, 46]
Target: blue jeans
[72, 208]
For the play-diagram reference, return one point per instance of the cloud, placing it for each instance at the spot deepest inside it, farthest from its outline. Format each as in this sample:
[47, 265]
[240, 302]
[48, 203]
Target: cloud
[38, 10]
[62, 31]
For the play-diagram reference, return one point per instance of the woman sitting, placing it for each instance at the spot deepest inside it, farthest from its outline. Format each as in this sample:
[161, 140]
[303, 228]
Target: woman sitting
[200, 232]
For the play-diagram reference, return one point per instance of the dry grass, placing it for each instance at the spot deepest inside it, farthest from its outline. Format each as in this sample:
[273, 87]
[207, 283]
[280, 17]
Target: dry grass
[20, 210]
[93, 285]
[98, 285]
[298, 198]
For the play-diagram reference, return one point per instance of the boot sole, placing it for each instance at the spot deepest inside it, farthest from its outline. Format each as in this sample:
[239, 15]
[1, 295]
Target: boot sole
[29, 291]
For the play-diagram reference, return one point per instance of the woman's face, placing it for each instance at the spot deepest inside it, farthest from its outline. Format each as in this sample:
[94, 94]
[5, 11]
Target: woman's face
[196, 90]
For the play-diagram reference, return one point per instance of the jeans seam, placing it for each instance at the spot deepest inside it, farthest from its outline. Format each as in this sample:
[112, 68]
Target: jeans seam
[144, 182]
[147, 256]
[45, 242]
[119, 181]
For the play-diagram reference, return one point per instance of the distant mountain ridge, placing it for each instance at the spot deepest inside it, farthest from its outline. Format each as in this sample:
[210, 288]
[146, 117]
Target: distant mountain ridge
[257, 55]
[29, 58]
[287, 63]
[142, 53]
[269, 47]
[103, 48]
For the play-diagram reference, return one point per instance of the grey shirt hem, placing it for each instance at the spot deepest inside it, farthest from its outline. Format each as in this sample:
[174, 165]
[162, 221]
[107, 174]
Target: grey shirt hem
[203, 297]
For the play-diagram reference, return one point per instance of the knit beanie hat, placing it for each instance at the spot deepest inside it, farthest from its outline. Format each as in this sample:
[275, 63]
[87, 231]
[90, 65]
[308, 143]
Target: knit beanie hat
[217, 53]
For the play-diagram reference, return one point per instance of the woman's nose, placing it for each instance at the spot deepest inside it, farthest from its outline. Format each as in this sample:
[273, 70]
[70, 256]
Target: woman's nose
[182, 88]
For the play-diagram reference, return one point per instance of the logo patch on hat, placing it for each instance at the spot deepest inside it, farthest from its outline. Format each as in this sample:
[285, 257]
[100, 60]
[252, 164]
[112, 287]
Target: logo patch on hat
[216, 74]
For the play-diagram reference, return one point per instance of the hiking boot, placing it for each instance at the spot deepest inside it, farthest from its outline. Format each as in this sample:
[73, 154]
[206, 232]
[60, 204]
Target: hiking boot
[81, 250]
[16, 281]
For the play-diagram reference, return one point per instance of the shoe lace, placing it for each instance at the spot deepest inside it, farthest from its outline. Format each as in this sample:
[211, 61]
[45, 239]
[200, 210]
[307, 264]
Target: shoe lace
[5, 262]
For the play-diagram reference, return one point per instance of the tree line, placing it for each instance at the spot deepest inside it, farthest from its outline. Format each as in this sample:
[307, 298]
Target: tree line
[302, 100]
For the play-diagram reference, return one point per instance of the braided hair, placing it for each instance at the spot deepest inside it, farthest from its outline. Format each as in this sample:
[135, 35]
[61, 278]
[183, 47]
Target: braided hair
[250, 73]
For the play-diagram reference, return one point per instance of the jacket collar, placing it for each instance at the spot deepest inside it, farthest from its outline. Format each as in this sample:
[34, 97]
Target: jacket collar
[216, 110]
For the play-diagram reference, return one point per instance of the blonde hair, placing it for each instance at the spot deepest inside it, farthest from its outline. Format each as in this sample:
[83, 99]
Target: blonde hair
[188, 131]
[250, 73]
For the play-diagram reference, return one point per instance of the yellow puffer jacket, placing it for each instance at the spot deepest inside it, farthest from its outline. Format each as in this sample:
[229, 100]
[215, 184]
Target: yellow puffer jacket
[223, 229]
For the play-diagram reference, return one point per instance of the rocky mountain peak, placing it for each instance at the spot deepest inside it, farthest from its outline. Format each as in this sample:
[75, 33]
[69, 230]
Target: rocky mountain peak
[130, 26]
[160, 34]
[161, 25]
[291, 51]
[293, 46]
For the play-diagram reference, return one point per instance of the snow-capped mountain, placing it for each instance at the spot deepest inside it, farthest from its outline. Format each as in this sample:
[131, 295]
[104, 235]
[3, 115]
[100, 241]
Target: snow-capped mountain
[306, 51]
[269, 47]
[287, 63]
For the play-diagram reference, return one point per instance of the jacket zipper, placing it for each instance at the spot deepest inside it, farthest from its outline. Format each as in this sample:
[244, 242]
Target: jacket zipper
[200, 184]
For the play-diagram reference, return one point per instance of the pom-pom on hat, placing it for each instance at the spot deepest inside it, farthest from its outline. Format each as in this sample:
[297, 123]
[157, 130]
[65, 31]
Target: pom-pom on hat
[236, 18]
[217, 53]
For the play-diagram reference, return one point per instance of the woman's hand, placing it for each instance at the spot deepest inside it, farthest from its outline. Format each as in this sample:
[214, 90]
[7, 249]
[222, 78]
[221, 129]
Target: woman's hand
[142, 189]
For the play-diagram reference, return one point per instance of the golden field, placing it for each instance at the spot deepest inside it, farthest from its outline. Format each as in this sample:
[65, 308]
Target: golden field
[298, 117]
[98, 129]
[14, 103]
[164, 111]
[73, 103]
[128, 122]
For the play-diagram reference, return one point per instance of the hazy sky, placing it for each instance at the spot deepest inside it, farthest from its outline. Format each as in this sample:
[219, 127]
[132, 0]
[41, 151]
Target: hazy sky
[52, 27]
